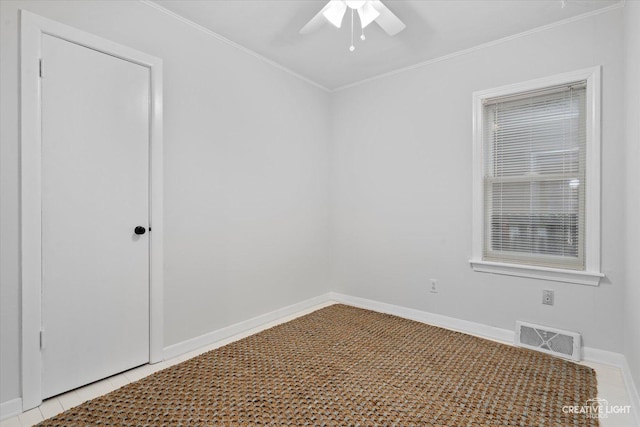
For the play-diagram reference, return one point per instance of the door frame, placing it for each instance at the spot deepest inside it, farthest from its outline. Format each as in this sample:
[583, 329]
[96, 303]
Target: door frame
[33, 27]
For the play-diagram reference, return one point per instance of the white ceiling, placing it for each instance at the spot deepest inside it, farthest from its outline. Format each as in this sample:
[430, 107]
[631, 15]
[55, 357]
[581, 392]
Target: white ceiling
[434, 28]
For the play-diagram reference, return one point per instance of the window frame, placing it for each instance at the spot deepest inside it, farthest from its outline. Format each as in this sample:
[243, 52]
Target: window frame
[591, 275]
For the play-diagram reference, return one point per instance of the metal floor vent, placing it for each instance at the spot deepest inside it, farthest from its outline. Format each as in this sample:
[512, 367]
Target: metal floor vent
[548, 340]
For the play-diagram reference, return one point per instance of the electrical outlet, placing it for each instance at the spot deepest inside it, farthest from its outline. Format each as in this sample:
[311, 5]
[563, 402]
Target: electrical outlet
[434, 286]
[547, 297]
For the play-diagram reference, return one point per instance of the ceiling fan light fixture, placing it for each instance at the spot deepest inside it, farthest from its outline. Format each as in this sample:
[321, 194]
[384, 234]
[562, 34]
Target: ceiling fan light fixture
[367, 14]
[368, 11]
[355, 4]
[335, 12]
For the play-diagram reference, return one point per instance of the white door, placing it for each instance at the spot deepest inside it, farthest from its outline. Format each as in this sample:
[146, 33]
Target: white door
[95, 191]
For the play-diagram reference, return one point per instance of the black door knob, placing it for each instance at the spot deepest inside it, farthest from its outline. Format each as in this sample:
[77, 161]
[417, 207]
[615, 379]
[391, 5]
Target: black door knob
[139, 230]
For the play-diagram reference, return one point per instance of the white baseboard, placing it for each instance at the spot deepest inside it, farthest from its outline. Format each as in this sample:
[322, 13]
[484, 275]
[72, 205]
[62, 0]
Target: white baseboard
[497, 334]
[471, 328]
[10, 408]
[632, 391]
[279, 315]
[14, 407]
[591, 354]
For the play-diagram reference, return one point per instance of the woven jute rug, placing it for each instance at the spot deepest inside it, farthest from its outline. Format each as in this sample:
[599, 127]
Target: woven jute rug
[344, 366]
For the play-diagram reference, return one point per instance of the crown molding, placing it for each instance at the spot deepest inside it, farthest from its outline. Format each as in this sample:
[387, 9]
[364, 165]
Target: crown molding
[233, 44]
[614, 6]
[275, 64]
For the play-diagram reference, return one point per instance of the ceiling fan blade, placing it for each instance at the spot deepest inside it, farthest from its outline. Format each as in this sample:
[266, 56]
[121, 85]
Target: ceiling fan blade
[316, 22]
[389, 22]
[335, 12]
[367, 14]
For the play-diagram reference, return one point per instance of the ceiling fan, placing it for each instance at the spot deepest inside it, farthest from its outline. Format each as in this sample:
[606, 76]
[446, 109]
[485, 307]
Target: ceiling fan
[368, 11]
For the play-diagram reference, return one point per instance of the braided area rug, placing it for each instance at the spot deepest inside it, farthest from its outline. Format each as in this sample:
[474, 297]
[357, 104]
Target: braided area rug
[344, 366]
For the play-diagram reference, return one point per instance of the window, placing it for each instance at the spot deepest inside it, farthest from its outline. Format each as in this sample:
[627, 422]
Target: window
[537, 179]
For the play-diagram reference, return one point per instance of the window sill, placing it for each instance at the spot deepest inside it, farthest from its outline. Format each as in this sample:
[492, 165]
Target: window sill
[544, 273]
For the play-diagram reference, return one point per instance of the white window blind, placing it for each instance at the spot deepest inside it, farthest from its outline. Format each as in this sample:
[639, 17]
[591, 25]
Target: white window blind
[534, 177]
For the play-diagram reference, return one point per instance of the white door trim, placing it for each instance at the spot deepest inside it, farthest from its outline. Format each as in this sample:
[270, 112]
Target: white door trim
[32, 29]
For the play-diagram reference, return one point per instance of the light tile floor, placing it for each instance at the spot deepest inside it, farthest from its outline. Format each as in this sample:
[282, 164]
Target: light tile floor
[610, 385]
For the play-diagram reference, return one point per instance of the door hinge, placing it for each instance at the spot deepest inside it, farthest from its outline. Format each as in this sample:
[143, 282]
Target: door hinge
[41, 340]
[40, 67]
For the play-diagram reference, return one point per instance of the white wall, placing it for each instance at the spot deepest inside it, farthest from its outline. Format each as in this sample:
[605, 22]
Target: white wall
[401, 186]
[246, 186]
[632, 90]
[247, 195]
